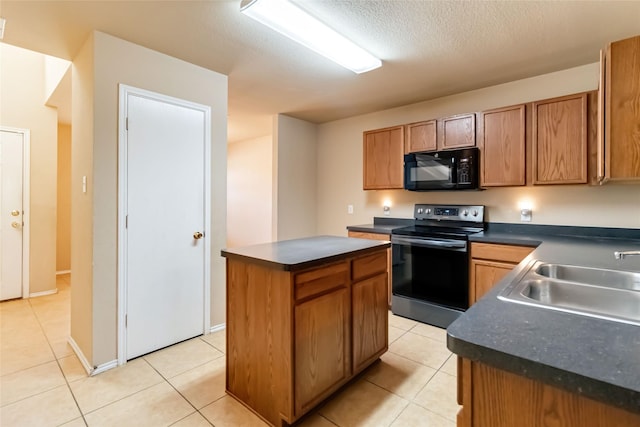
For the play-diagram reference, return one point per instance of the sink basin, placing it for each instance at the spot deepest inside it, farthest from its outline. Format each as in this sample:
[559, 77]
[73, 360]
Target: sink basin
[591, 276]
[606, 294]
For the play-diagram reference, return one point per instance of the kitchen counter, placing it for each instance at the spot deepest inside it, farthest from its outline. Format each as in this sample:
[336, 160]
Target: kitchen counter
[595, 358]
[382, 225]
[304, 317]
[297, 254]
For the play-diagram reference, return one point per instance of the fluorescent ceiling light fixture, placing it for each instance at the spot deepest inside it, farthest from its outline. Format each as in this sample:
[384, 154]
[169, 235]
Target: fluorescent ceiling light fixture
[291, 21]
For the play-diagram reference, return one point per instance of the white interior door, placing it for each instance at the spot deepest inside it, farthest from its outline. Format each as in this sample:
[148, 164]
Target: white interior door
[166, 148]
[11, 212]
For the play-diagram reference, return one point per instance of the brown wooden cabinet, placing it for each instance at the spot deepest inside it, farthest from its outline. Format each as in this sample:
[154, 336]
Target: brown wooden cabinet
[502, 144]
[321, 323]
[457, 131]
[421, 136]
[377, 236]
[496, 398]
[370, 315]
[294, 338]
[619, 140]
[560, 140]
[490, 263]
[383, 158]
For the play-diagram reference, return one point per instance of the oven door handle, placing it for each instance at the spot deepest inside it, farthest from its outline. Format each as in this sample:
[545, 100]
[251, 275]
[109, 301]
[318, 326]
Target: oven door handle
[431, 243]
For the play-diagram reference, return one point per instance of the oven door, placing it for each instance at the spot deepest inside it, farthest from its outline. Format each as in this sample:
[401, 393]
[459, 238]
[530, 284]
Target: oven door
[432, 270]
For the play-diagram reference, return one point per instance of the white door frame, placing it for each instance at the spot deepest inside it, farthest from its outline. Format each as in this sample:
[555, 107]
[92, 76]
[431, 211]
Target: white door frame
[26, 202]
[124, 92]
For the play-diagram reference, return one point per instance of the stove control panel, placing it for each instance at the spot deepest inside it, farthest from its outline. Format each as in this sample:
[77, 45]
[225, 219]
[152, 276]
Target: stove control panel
[449, 213]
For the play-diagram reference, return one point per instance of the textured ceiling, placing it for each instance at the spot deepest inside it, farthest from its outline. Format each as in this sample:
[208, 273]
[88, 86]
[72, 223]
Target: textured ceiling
[429, 48]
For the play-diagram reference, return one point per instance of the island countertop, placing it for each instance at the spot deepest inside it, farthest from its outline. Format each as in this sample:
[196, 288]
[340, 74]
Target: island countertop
[303, 253]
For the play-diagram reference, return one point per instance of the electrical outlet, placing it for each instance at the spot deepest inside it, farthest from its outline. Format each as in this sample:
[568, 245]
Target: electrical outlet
[350, 209]
[386, 210]
[525, 215]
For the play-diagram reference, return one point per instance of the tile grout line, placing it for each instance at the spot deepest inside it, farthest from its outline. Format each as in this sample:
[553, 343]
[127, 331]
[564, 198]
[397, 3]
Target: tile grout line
[55, 356]
[178, 391]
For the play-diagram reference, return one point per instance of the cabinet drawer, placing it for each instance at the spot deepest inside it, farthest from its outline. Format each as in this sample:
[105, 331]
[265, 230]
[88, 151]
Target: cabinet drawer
[320, 280]
[508, 253]
[369, 265]
[370, 236]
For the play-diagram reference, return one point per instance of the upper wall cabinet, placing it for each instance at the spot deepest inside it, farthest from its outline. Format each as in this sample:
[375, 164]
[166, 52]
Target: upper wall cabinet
[501, 139]
[458, 131]
[421, 136]
[383, 157]
[619, 142]
[560, 140]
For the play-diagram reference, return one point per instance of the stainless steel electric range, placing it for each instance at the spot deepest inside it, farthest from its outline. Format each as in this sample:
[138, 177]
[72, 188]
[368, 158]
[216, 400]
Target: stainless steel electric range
[430, 271]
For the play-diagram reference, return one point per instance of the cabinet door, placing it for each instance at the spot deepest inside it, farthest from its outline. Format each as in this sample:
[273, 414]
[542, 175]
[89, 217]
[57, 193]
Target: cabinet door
[421, 137]
[502, 144]
[622, 110]
[484, 275]
[560, 140]
[322, 347]
[383, 159]
[370, 333]
[458, 131]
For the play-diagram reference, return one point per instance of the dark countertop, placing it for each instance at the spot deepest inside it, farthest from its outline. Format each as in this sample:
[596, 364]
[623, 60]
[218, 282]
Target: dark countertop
[599, 359]
[382, 225]
[298, 254]
[372, 228]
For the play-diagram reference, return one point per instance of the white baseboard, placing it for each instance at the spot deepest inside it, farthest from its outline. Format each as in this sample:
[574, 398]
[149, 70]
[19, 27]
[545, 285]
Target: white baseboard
[105, 367]
[61, 272]
[43, 293]
[217, 328]
[91, 370]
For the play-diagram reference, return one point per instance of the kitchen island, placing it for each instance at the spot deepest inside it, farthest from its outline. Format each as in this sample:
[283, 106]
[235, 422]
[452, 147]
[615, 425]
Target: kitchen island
[304, 316]
[530, 366]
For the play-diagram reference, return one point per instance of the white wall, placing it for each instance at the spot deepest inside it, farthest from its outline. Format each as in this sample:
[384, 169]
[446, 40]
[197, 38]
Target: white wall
[340, 166]
[103, 63]
[295, 175]
[249, 191]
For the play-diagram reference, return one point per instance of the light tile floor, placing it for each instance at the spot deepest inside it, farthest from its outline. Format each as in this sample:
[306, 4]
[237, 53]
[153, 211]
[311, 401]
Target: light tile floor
[42, 382]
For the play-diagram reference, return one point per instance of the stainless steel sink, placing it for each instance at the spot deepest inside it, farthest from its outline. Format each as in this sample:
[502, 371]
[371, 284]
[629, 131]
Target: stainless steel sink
[606, 294]
[591, 276]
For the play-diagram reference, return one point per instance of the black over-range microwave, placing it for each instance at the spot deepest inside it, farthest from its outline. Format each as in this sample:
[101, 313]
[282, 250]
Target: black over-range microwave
[442, 170]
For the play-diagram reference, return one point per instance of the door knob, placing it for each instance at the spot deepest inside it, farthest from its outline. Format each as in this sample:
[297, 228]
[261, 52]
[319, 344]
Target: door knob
[198, 235]
[15, 224]
[15, 213]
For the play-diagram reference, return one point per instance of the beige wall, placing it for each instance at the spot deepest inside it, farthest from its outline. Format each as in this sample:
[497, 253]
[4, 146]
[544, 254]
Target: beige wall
[340, 166]
[295, 175]
[116, 61]
[249, 191]
[22, 96]
[82, 99]
[63, 233]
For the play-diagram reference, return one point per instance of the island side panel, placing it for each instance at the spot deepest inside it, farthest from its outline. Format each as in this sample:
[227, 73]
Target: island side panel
[259, 339]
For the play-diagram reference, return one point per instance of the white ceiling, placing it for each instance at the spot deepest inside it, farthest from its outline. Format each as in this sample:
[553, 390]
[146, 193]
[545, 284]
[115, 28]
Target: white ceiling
[429, 48]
